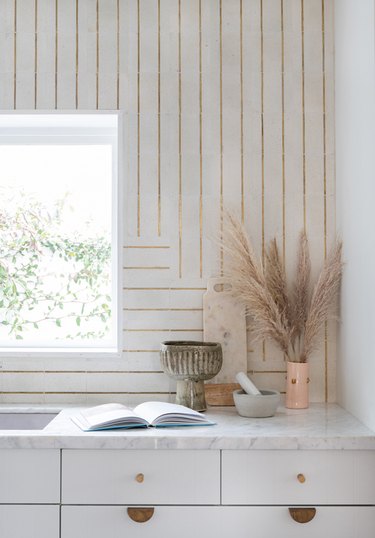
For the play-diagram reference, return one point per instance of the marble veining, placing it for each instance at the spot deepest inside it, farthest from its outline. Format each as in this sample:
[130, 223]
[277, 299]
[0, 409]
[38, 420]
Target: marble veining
[320, 427]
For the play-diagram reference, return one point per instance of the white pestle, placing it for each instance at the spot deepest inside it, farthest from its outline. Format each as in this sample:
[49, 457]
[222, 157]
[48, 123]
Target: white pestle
[247, 385]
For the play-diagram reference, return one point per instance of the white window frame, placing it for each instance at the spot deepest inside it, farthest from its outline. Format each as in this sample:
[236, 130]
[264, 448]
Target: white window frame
[84, 134]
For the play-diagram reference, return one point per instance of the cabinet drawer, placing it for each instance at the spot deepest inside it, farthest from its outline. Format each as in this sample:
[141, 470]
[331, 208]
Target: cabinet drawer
[32, 521]
[329, 522]
[217, 521]
[114, 522]
[29, 476]
[169, 477]
[271, 477]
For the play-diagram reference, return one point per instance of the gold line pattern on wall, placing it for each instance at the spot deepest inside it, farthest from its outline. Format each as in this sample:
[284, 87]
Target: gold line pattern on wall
[266, 372]
[164, 288]
[283, 122]
[97, 54]
[221, 136]
[262, 141]
[146, 267]
[118, 54]
[141, 350]
[146, 246]
[262, 120]
[56, 47]
[179, 146]
[200, 147]
[159, 129]
[15, 57]
[303, 112]
[163, 330]
[324, 129]
[138, 119]
[85, 372]
[35, 54]
[77, 57]
[160, 278]
[241, 115]
[324, 190]
[164, 309]
[83, 393]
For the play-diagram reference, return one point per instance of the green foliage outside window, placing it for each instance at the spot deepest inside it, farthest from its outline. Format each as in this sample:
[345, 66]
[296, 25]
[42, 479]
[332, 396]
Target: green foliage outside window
[51, 275]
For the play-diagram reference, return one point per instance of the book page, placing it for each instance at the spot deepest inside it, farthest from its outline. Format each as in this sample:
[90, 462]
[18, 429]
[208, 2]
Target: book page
[98, 409]
[102, 414]
[151, 411]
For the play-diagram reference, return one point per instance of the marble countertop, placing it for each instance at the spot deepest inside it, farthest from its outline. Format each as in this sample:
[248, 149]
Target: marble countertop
[321, 427]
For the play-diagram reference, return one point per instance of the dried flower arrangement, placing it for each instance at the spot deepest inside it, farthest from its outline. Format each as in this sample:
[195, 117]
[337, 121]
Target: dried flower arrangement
[292, 318]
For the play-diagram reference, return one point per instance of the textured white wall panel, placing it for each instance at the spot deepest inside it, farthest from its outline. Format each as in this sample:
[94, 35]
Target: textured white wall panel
[226, 104]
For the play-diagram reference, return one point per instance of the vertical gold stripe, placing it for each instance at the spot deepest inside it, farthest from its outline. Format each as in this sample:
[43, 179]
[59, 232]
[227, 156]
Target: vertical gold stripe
[77, 54]
[262, 135]
[179, 147]
[303, 112]
[138, 119]
[56, 46]
[221, 139]
[97, 54]
[118, 54]
[15, 57]
[324, 190]
[241, 119]
[159, 127]
[35, 54]
[326, 362]
[200, 147]
[324, 129]
[283, 123]
[262, 116]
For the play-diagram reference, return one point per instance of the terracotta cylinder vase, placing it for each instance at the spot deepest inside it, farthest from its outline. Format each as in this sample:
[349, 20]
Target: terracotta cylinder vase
[297, 385]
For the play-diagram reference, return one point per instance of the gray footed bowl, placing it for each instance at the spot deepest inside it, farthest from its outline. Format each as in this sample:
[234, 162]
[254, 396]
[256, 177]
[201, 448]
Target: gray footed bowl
[260, 406]
[191, 363]
[190, 359]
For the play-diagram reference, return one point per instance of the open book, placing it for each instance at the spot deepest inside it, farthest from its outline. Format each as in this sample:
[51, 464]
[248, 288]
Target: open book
[157, 414]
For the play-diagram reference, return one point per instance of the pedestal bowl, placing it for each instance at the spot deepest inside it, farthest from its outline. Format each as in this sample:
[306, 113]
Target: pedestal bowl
[191, 363]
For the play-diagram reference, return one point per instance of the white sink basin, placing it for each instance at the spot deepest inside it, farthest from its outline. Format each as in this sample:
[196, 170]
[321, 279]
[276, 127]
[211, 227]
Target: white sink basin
[25, 421]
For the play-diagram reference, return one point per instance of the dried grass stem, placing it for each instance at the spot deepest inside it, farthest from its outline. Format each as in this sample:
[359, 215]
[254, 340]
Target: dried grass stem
[293, 318]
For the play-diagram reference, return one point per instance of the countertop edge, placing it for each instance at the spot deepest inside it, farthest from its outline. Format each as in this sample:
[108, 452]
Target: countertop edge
[321, 427]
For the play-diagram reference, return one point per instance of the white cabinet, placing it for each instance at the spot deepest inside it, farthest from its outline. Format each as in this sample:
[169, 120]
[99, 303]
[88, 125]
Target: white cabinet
[216, 522]
[28, 521]
[187, 493]
[29, 476]
[141, 477]
[166, 521]
[297, 477]
[150, 493]
[29, 493]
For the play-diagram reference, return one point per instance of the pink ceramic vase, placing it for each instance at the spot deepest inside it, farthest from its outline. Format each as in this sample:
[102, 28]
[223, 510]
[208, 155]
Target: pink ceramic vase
[297, 385]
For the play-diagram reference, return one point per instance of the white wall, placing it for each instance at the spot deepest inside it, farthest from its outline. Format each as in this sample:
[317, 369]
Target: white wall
[355, 177]
[226, 103]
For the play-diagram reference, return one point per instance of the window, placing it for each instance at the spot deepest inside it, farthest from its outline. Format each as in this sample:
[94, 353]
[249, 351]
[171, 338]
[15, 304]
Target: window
[58, 232]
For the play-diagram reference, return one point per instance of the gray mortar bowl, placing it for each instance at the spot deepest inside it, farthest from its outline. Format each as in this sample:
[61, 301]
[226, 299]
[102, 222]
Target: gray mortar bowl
[258, 406]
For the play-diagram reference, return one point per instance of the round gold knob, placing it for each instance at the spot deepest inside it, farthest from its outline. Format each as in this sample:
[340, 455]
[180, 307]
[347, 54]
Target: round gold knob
[140, 478]
[301, 478]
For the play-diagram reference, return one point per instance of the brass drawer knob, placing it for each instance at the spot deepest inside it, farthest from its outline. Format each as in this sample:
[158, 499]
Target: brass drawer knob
[301, 478]
[140, 515]
[140, 478]
[302, 515]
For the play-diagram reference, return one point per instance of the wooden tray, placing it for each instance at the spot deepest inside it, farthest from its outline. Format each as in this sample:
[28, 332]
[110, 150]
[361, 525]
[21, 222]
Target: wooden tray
[220, 394]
